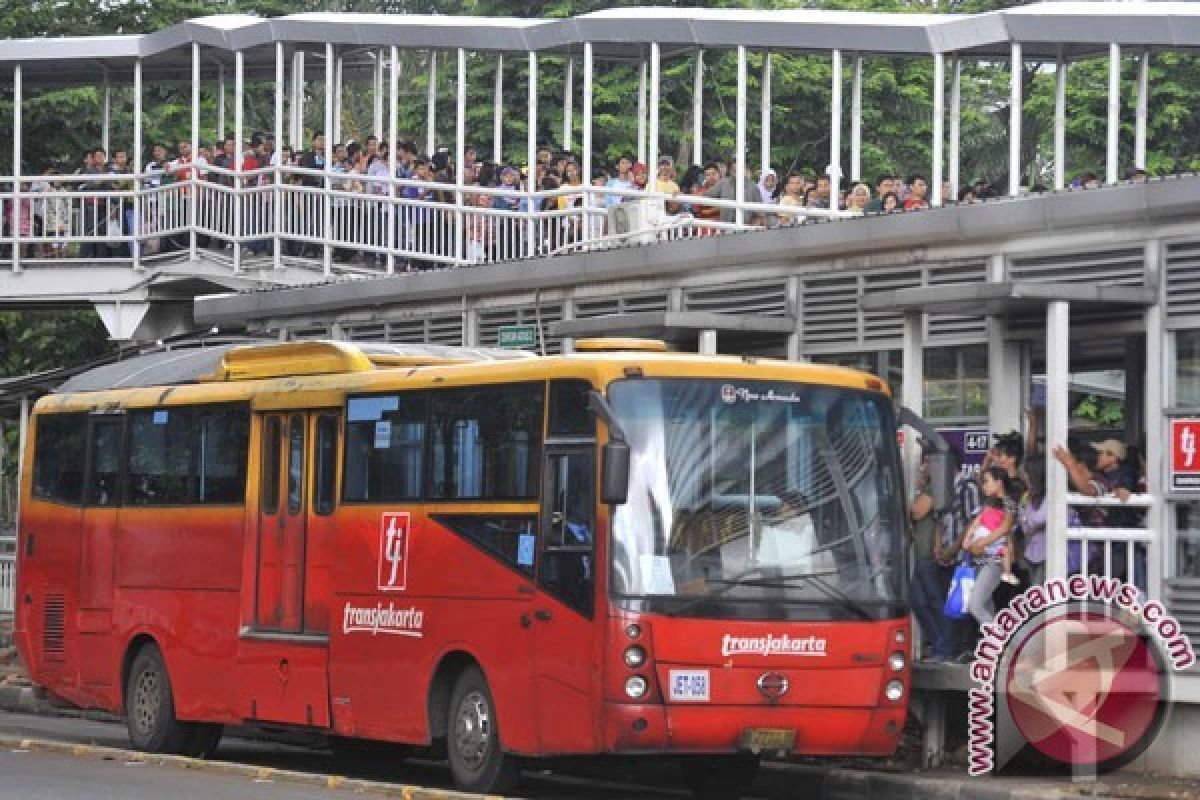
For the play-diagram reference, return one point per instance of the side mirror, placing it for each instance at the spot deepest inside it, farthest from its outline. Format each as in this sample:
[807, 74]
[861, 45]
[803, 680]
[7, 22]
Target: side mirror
[614, 474]
[941, 480]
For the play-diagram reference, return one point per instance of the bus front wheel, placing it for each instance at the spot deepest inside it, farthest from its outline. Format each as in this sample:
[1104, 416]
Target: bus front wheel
[477, 758]
[150, 706]
[720, 777]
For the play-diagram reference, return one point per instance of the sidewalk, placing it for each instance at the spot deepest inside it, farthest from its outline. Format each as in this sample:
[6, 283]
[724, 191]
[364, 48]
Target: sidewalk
[812, 779]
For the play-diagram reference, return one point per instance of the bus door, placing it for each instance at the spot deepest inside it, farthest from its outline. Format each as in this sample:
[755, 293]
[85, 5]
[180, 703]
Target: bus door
[285, 665]
[102, 486]
[564, 634]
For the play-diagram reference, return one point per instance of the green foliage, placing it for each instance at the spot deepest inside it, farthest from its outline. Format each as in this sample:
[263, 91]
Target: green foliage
[1105, 411]
[35, 341]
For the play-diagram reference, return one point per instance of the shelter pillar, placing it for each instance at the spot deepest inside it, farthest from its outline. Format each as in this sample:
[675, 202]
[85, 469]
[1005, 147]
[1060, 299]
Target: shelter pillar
[764, 160]
[1143, 102]
[1014, 122]
[912, 390]
[1058, 366]
[739, 176]
[498, 113]
[707, 343]
[14, 220]
[697, 112]
[939, 131]
[955, 130]
[856, 120]
[1060, 122]
[835, 131]
[586, 146]
[652, 139]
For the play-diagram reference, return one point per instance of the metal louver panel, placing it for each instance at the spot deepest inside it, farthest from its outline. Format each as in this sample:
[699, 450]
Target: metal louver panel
[372, 332]
[885, 327]
[768, 300]
[406, 331]
[607, 306]
[1119, 267]
[830, 316]
[1183, 279]
[1183, 601]
[54, 621]
[446, 330]
[950, 325]
[309, 332]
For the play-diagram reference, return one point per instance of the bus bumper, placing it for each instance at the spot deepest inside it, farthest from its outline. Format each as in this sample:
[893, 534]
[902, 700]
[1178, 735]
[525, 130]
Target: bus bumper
[720, 729]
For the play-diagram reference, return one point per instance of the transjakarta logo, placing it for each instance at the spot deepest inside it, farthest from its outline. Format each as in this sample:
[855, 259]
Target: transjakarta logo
[772, 645]
[393, 552]
[391, 621]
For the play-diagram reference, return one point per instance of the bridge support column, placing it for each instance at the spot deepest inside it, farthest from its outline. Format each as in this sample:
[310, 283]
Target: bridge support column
[392, 214]
[431, 105]
[835, 130]
[193, 197]
[14, 220]
[1143, 101]
[1060, 122]
[856, 120]
[498, 113]
[531, 158]
[277, 194]
[697, 113]
[939, 129]
[955, 129]
[764, 160]
[641, 112]
[1014, 121]
[586, 155]
[135, 228]
[652, 142]
[569, 106]
[739, 177]
[1112, 161]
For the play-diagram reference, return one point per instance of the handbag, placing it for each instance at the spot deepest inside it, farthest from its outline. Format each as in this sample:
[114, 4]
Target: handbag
[958, 599]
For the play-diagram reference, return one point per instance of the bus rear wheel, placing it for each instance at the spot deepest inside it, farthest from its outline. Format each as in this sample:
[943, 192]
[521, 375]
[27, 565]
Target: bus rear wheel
[150, 707]
[477, 758]
[719, 777]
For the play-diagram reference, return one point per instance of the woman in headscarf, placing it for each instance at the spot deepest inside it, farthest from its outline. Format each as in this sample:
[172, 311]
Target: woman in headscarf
[768, 185]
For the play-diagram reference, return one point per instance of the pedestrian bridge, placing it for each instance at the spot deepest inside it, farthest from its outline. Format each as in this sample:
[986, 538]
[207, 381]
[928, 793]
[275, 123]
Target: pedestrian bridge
[139, 238]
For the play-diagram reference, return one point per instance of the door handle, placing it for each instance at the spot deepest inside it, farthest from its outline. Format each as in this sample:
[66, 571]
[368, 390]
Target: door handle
[543, 615]
[526, 621]
[29, 544]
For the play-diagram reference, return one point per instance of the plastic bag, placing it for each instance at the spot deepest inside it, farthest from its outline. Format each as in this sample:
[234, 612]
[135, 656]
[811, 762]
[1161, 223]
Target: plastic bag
[959, 597]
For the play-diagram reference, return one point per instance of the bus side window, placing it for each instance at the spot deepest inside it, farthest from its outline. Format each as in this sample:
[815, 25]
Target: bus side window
[324, 483]
[105, 462]
[269, 502]
[57, 467]
[568, 566]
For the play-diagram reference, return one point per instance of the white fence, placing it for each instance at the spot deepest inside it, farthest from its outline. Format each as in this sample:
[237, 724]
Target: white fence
[1111, 551]
[345, 218]
[8, 583]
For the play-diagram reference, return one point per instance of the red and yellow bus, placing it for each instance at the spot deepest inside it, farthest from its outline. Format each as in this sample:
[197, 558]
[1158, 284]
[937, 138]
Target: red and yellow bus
[619, 551]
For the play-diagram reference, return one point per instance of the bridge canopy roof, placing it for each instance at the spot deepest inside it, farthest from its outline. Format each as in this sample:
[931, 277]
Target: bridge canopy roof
[1045, 30]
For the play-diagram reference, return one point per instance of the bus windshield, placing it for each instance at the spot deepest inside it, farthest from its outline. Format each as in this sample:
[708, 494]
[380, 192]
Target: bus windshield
[757, 499]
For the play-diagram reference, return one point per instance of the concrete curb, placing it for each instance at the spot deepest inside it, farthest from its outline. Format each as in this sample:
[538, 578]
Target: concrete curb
[254, 773]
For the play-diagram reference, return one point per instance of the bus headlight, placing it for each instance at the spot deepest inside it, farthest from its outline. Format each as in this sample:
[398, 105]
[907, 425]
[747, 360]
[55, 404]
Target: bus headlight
[893, 692]
[634, 657]
[900, 637]
[636, 687]
[897, 661]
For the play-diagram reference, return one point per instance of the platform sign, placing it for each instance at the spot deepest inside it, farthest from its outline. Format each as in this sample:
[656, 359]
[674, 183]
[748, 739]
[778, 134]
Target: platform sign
[518, 337]
[973, 443]
[1185, 455]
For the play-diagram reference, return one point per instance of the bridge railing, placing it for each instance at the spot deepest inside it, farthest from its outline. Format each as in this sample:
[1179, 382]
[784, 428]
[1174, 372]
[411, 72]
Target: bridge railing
[299, 214]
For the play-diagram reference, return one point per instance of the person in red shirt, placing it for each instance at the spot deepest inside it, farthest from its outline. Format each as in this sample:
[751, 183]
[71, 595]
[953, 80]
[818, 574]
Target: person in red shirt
[918, 191]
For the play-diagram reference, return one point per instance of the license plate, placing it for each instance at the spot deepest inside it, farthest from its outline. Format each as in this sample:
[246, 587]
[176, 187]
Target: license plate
[689, 685]
[758, 739]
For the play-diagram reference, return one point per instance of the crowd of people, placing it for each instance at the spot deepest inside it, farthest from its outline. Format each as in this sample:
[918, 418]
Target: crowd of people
[997, 523]
[362, 167]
